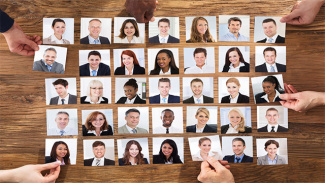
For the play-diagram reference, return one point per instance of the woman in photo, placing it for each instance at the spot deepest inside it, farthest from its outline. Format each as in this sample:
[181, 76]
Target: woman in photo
[202, 115]
[60, 152]
[165, 63]
[168, 153]
[237, 123]
[129, 64]
[271, 91]
[271, 158]
[96, 125]
[129, 33]
[235, 61]
[233, 87]
[94, 94]
[130, 91]
[58, 26]
[205, 151]
[132, 154]
[200, 32]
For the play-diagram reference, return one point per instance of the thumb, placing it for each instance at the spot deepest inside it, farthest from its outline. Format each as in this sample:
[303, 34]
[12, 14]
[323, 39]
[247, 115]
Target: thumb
[49, 166]
[289, 96]
[294, 14]
[214, 163]
[31, 44]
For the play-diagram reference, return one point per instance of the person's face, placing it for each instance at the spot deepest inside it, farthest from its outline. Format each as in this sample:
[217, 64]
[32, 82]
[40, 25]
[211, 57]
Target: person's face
[238, 148]
[205, 146]
[96, 91]
[167, 118]
[164, 88]
[234, 57]
[234, 27]
[233, 89]
[62, 120]
[269, 57]
[99, 121]
[61, 151]
[99, 151]
[163, 28]
[199, 59]
[61, 90]
[132, 119]
[272, 117]
[268, 88]
[271, 149]
[59, 28]
[202, 118]
[129, 29]
[167, 149]
[134, 151]
[94, 61]
[197, 88]
[163, 60]
[269, 29]
[49, 57]
[127, 60]
[234, 118]
[202, 26]
[130, 92]
[94, 28]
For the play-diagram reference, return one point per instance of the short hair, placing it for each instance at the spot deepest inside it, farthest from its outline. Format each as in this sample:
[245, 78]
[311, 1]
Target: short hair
[204, 110]
[57, 20]
[165, 110]
[167, 80]
[98, 143]
[239, 139]
[135, 25]
[96, 53]
[131, 110]
[269, 142]
[94, 83]
[62, 82]
[241, 124]
[274, 80]
[196, 80]
[95, 19]
[200, 50]
[132, 82]
[62, 112]
[166, 20]
[272, 109]
[241, 58]
[269, 49]
[91, 117]
[50, 49]
[235, 19]
[269, 20]
[201, 140]
[130, 54]
[233, 80]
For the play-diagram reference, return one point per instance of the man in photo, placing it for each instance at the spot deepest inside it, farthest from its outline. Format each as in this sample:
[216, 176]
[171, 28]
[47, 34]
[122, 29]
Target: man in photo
[163, 36]
[238, 147]
[61, 87]
[164, 97]
[62, 121]
[95, 27]
[200, 56]
[94, 67]
[198, 97]
[99, 159]
[167, 117]
[270, 31]
[48, 63]
[234, 25]
[272, 116]
[132, 117]
[270, 65]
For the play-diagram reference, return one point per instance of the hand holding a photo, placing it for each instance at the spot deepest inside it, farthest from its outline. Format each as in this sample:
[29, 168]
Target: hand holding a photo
[142, 10]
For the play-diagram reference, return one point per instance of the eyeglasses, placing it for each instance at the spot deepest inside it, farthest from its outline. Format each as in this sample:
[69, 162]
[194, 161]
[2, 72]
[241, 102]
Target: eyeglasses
[96, 88]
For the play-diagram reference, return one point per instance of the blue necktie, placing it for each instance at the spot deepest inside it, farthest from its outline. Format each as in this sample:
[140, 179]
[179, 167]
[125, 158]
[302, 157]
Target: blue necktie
[164, 100]
[163, 40]
[237, 159]
[198, 101]
[49, 67]
[94, 73]
[272, 69]
[62, 101]
[134, 130]
[271, 40]
[96, 41]
[62, 132]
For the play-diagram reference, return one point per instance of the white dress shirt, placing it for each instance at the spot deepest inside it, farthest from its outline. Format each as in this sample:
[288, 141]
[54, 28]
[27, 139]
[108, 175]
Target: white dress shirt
[66, 100]
[233, 100]
[91, 71]
[88, 100]
[197, 70]
[162, 130]
[160, 38]
[101, 162]
[269, 127]
[199, 130]
[268, 67]
[125, 40]
[232, 130]
[67, 131]
[127, 71]
[57, 41]
[128, 101]
[162, 101]
[232, 69]
[94, 132]
[273, 39]
[166, 73]
[130, 129]
[277, 94]
[201, 100]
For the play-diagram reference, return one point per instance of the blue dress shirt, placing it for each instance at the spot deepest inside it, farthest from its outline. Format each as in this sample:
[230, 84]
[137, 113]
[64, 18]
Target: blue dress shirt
[231, 37]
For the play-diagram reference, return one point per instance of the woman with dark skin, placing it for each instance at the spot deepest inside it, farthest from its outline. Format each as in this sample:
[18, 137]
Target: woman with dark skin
[271, 91]
[164, 63]
[130, 90]
[168, 153]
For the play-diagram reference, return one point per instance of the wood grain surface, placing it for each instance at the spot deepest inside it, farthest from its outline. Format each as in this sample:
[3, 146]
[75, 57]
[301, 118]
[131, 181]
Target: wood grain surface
[22, 92]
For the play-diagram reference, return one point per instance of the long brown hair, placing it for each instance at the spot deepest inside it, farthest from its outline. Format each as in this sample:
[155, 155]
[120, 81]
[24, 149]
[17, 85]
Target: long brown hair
[91, 117]
[241, 58]
[126, 155]
[135, 25]
[195, 35]
[53, 154]
[130, 54]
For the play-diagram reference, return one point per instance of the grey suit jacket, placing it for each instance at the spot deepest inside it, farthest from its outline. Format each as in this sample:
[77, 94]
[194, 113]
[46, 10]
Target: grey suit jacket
[263, 160]
[123, 129]
[40, 66]
[72, 100]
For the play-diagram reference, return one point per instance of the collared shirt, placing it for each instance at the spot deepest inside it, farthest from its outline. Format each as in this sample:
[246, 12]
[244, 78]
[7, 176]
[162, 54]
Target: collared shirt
[101, 162]
[88, 100]
[241, 158]
[166, 73]
[233, 100]
[233, 69]
[170, 161]
[130, 129]
[198, 155]
[47, 64]
[232, 129]
[268, 67]
[91, 71]
[199, 130]
[197, 70]
[62, 163]
[273, 39]
[277, 94]
[57, 131]
[66, 100]
[272, 162]
[269, 127]
[57, 41]
[94, 132]
[127, 71]
[128, 101]
[231, 37]
[162, 130]
[201, 100]
[160, 38]
[92, 40]
[162, 101]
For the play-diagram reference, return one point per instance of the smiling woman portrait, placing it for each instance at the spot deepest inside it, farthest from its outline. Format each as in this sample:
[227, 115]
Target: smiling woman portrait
[205, 151]
[200, 32]
[132, 154]
[202, 115]
[168, 153]
[94, 93]
[271, 91]
[129, 33]
[165, 63]
[60, 152]
[235, 62]
[58, 26]
[235, 96]
[96, 125]
[237, 123]
[129, 64]
[271, 158]
[130, 91]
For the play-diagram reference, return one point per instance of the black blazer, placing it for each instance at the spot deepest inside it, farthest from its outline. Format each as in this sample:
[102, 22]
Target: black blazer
[104, 133]
[121, 163]
[137, 100]
[231, 159]
[225, 128]
[82, 100]
[157, 159]
[259, 100]
[207, 129]
[205, 100]
[49, 159]
[279, 39]
[241, 99]
[244, 68]
[280, 129]
[89, 162]
[103, 70]
[136, 70]
[189, 41]
[171, 39]
[103, 40]
[172, 71]
[262, 68]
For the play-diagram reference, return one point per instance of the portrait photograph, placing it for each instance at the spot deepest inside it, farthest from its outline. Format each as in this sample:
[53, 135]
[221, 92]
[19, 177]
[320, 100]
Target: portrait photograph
[234, 27]
[95, 90]
[269, 30]
[62, 122]
[272, 151]
[272, 119]
[235, 120]
[129, 61]
[97, 122]
[167, 120]
[127, 30]
[201, 119]
[134, 90]
[164, 30]
[204, 146]
[94, 63]
[206, 90]
[270, 59]
[199, 60]
[168, 150]
[233, 89]
[57, 89]
[99, 152]
[163, 61]
[133, 151]
[63, 150]
[58, 31]
[133, 117]
[173, 90]
[95, 31]
[196, 32]
[237, 149]
[234, 59]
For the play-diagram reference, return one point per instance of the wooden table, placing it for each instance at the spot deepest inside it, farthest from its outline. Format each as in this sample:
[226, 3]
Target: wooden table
[23, 109]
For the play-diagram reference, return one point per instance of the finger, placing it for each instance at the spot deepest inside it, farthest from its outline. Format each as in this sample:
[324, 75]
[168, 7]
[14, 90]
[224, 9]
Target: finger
[289, 105]
[54, 174]
[287, 96]
[156, 2]
[214, 163]
[140, 18]
[227, 166]
[205, 166]
[223, 162]
[286, 89]
[152, 19]
[48, 166]
[31, 43]
[288, 18]
[293, 89]
[148, 15]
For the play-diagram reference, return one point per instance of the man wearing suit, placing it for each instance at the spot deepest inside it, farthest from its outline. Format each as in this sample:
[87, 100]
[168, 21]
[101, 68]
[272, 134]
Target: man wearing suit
[163, 36]
[95, 26]
[61, 87]
[238, 147]
[94, 67]
[99, 159]
[198, 97]
[48, 63]
[270, 30]
[62, 121]
[272, 116]
[132, 117]
[164, 97]
[270, 65]
[167, 117]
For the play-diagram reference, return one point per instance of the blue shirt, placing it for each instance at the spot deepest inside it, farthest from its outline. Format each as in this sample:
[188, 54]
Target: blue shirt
[241, 158]
[91, 40]
[231, 37]
[272, 162]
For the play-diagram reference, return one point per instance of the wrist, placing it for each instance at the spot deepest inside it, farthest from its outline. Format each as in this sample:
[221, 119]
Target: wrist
[8, 176]
[320, 98]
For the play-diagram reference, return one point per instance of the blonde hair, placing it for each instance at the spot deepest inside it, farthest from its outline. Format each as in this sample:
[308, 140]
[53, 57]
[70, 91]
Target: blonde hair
[241, 125]
[94, 83]
[195, 35]
[233, 80]
[204, 110]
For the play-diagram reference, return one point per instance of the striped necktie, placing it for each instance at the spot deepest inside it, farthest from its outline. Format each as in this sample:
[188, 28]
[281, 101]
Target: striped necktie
[97, 162]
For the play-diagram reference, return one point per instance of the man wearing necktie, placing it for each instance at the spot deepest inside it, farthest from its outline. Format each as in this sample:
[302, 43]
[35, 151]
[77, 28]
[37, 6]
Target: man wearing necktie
[270, 31]
[270, 65]
[164, 97]
[62, 121]
[61, 87]
[198, 97]
[94, 28]
[272, 116]
[94, 67]
[48, 63]
[132, 118]
[99, 159]
[167, 118]
[238, 147]
[163, 36]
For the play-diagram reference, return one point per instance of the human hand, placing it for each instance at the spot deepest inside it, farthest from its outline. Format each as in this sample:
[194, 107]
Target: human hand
[303, 12]
[214, 171]
[20, 43]
[141, 10]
